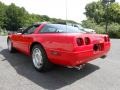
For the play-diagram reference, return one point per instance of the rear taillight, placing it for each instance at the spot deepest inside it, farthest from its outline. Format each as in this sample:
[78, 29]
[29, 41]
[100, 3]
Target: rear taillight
[87, 41]
[106, 39]
[80, 41]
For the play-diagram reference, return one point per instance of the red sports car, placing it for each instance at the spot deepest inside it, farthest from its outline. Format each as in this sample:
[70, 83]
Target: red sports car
[49, 44]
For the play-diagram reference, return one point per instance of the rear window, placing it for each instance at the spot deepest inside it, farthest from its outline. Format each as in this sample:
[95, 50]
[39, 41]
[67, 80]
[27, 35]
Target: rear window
[58, 28]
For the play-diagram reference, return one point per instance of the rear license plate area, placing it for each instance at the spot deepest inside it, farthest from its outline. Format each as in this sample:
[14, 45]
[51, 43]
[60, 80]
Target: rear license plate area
[98, 47]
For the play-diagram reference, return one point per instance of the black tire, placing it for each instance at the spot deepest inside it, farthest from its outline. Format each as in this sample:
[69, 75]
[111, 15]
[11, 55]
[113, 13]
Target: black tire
[10, 46]
[46, 64]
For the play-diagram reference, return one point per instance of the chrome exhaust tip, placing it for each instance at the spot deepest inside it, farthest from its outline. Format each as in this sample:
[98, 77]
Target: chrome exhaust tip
[103, 57]
[79, 67]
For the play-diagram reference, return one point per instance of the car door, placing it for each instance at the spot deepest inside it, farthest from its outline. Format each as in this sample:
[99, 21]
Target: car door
[25, 39]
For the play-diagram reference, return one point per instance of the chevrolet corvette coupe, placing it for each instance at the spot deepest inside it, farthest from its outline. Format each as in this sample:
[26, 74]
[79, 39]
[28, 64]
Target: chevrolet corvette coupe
[49, 44]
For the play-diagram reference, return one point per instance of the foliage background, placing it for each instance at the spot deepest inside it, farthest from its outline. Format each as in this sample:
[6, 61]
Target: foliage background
[96, 18]
[13, 17]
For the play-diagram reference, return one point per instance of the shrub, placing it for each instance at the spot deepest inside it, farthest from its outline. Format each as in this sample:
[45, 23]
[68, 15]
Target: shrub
[113, 28]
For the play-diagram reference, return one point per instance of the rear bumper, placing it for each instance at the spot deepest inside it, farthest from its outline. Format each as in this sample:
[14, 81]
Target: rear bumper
[84, 57]
[78, 57]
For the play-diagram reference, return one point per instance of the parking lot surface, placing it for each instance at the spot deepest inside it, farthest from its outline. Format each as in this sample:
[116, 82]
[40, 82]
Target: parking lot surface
[17, 73]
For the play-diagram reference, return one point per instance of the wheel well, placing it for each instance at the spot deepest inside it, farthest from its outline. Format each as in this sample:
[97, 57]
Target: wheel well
[36, 43]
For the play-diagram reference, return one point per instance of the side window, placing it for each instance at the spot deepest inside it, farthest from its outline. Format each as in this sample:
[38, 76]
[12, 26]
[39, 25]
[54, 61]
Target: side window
[48, 29]
[30, 30]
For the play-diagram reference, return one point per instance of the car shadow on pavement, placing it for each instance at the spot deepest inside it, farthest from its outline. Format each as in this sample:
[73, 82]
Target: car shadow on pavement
[54, 79]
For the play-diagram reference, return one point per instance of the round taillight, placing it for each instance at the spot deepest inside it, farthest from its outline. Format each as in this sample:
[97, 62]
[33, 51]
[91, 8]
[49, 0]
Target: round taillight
[80, 41]
[108, 39]
[87, 41]
[105, 39]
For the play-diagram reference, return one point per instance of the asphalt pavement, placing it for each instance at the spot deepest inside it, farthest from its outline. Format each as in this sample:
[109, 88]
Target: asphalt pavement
[17, 73]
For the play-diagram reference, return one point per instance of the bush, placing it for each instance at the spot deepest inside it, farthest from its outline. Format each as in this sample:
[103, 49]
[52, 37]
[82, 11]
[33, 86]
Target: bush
[113, 28]
[92, 25]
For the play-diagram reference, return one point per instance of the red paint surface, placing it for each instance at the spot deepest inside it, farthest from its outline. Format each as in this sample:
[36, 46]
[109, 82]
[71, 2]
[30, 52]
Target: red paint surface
[62, 48]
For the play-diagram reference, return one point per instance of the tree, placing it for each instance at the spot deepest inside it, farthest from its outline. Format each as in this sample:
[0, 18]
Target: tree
[96, 11]
[15, 17]
[45, 18]
[96, 17]
[2, 14]
[114, 12]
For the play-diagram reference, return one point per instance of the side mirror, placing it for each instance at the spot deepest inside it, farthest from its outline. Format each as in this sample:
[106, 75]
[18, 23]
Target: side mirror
[20, 30]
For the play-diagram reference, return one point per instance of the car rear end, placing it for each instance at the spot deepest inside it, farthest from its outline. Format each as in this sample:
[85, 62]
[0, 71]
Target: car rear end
[71, 47]
[84, 48]
[89, 47]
